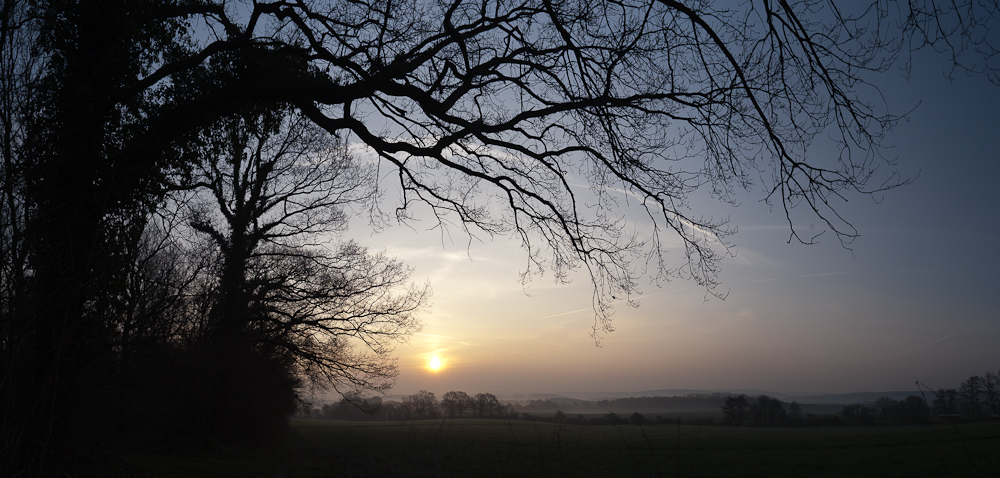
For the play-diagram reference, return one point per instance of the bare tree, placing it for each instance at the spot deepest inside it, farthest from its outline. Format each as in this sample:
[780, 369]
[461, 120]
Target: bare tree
[273, 189]
[487, 405]
[24, 416]
[991, 392]
[887, 408]
[795, 413]
[945, 401]
[916, 409]
[970, 395]
[736, 409]
[455, 403]
[766, 411]
[420, 405]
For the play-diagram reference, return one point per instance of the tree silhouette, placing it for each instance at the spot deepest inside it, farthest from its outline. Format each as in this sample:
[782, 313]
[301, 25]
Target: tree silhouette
[736, 409]
[420, 405]
[454, 403]
[970, 394]
[916, 409]
[991, 392]
[945, 401]
[273, 188]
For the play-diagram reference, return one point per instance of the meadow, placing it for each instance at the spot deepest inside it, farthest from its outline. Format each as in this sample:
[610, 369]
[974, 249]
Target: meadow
[474, 447]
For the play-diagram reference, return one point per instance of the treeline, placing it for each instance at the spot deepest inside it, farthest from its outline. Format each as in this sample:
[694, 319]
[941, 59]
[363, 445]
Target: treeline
[766, 411]
[458, 404]
[976, 399]
[419, 406]
[424, 405]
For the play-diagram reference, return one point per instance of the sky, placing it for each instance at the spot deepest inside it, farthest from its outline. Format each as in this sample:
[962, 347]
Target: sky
[914, 299]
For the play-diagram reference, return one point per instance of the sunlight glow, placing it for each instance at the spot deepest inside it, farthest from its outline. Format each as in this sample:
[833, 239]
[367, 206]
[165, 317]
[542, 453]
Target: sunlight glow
[435, 364]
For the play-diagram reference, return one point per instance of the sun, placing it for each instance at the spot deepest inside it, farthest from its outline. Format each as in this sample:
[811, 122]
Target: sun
[435, 364]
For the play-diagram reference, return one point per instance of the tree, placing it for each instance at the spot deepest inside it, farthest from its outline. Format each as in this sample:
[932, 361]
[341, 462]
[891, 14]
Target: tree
[487, 405]
[91, 168]
[916, 409]
[420, 405]
[270, 188]
[946, 401]
[991, 392]
[888, 408]
[20, 412]
[795, 413]
[766, 411]
[353, 406]
[454, 403]
[735, 409]
[857, 414]
[636, 418]
[970, 394]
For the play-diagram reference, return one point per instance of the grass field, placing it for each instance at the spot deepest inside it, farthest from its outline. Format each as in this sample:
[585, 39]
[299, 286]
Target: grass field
[471, 447]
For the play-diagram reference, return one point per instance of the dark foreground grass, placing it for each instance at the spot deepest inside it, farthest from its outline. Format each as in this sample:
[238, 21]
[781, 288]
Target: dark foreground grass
[469, 447]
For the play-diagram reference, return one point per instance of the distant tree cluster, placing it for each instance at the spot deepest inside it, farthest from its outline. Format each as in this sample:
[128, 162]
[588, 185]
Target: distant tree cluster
[763, 410]
[912, 410]
[419, 406]
[977, 398]
[760, 411]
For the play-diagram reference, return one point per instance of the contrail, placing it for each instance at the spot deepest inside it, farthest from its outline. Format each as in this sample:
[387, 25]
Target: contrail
[946, 337]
